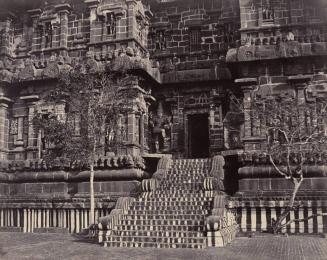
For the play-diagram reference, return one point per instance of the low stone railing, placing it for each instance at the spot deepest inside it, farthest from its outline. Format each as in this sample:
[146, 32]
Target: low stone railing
[107, 223]
[47, 219]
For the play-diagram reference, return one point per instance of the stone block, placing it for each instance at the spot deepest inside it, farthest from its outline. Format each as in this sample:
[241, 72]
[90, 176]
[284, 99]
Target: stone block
[34, 188]
[55, 187]
[264, 184]
[319, 183]
[249, 185]
[17, 188]
[4, 189]
[109, 187]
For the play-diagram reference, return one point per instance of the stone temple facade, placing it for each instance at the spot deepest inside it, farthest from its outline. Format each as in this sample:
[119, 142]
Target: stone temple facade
[185, 58]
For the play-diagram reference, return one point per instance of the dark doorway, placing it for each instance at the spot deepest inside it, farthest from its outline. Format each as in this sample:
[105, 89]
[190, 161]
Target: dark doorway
[198, 136]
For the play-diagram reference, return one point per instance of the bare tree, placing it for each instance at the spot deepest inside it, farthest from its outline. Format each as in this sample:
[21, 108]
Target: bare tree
[93, 104]
[295, 132]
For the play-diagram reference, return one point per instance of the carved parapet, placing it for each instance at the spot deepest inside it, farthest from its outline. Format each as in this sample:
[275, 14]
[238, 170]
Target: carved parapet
[287, 49]
[107, 223]
[261, 158]
[221, 225]
[101, 163]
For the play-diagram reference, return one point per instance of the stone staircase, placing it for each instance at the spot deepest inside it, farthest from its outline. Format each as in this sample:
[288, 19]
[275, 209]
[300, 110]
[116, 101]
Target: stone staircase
[172, 216]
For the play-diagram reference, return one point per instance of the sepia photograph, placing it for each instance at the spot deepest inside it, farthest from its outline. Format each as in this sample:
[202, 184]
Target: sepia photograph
[163, 129]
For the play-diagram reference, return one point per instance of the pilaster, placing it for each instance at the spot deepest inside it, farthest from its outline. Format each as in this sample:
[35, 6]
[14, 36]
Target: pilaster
[32, 143]
[63, 11]
[4, 127]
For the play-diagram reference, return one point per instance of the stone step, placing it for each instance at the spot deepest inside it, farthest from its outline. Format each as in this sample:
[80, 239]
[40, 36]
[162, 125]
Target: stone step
[181, 196]
[179, 170]
[170, 203]
[159, 233]
[169, 199]
[198, 160]
[181, 228]
[182, 179]
[169, 212]
[182, 186]
[161, 207]
[178, 193]
[153, 245]
[158, 222]
[149, 239]
[161, 217]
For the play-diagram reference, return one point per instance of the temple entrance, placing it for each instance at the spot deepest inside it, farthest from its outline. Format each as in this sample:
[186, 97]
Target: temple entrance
[198, 135]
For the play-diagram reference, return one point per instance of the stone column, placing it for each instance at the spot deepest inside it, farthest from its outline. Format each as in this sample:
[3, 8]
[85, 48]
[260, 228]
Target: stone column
[243, 220]
[25, 217]
[263, 219]
[292, 225]
[301, 224]
[253, 219]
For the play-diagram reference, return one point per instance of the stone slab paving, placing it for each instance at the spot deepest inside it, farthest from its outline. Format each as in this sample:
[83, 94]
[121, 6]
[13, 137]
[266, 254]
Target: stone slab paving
[15, 246]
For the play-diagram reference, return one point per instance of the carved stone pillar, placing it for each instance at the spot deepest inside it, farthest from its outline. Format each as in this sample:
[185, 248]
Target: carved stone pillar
[247, 85]
[251, 142]
[216, 131]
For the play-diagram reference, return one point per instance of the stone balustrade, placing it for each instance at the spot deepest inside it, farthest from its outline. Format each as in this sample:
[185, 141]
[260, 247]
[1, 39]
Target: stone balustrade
[37, 219]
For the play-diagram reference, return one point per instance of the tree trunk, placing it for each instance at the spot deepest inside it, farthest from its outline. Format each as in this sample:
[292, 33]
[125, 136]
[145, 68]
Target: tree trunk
[278, 225]
[91, 214]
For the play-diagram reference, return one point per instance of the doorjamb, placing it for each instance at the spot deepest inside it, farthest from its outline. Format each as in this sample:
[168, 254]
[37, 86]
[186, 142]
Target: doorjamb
[186, 130]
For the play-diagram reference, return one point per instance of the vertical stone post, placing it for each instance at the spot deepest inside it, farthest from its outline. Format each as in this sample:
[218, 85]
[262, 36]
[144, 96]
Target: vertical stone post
[5, 46]
[63, 10]
[299, 82]
[131, 121]
[247, 87]
[175, 127]
[131, 19]
[32, 138]
[4, 127]
[35, 14]
[92, 5]
[141, 131]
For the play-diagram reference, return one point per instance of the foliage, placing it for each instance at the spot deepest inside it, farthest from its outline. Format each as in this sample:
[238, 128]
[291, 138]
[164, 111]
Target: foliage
[295, 131]
[92, 107]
